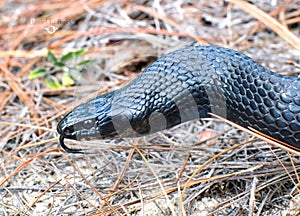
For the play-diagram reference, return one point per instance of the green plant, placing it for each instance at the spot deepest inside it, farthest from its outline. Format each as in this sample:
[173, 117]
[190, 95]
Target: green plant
[68, 64]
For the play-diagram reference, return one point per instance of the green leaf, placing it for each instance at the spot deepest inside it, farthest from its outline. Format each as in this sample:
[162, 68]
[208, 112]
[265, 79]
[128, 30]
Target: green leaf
[51, 57]
[80, 52]
[85, 62]
[72, 55]
[59, 64]
[68, 56]
[52, 82]
[67, 80]
[37, 73]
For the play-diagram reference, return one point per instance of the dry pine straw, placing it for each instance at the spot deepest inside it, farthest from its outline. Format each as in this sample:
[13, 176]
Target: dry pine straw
[166, 173]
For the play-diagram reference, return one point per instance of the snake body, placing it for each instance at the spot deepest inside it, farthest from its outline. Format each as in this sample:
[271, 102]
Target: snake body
[187, 84]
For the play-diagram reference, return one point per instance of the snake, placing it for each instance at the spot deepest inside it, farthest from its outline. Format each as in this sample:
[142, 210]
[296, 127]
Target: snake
[191, 83]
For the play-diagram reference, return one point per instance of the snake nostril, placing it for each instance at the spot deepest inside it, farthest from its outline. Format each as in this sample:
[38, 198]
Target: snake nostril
[68, 130]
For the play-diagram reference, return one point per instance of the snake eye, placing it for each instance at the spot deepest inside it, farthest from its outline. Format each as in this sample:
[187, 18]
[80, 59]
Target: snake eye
[88, 124]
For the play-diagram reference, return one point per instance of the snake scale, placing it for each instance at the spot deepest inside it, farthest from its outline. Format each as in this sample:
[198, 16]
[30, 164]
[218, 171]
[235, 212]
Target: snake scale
[187, 84]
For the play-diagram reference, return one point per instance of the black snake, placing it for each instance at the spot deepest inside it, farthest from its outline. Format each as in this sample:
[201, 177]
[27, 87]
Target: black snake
[188, 84]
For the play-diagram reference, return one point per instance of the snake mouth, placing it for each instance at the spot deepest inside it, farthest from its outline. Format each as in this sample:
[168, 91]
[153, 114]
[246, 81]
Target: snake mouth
[86, 129]
[67, 132]
[77, 132]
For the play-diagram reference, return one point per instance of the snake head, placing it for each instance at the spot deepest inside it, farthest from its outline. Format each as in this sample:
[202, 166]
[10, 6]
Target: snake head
[107, 116]
[100, 118]
[82, 123]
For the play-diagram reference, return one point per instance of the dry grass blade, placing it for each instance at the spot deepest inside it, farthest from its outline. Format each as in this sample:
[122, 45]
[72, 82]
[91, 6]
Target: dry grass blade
[24, 164]
[267, 139]
[269, 21]
[171, 206]
[113, 190]
[91, 186]
[169, 21]
[24, 96]
[20, 167]
[252, 197]
[190, 181]
[40, 195]
[23, 53]
[183, 167]
[35, 144]
[27, 126]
